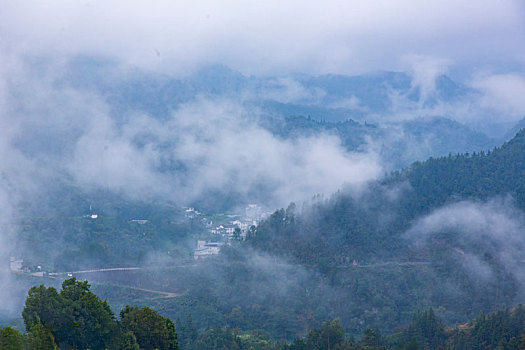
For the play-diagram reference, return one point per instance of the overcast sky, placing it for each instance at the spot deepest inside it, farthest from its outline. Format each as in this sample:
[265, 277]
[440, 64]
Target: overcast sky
[273, 37]
[426, 38]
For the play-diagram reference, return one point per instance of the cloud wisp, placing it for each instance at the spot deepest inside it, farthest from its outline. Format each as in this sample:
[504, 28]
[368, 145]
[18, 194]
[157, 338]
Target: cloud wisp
[211, 146]
[53, 133]
[205, 145]
[485, 236]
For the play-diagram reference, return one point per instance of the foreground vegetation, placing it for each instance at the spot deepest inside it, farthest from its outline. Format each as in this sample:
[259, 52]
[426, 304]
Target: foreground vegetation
[75, 318]
[299, 271]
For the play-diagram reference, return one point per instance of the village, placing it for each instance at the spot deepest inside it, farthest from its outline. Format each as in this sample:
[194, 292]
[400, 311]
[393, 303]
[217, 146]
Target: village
[230, 228]
[221, 229]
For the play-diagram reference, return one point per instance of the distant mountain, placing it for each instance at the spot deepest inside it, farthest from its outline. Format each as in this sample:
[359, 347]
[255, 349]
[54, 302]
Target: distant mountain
[373, 97]
[398, 143]
[374, 90]
[515, 129]
[325, 97]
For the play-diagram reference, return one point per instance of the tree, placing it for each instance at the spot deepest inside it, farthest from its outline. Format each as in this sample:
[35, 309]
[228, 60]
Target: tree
[11, 339]
[189, 333]
[152, 330]
[426, 329]
[252, 231]
[237, 234]
[76, 317]
[40, 338]
[326, 337]
[217, 339]
[93, 322]
[123, 340]
[372, 339]
[46, 306]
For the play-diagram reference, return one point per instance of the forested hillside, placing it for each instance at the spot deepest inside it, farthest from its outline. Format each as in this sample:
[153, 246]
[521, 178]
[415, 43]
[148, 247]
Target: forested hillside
[373, 248]
[370, 224]
[399, 143]
[446, 233]
[76, 318]
[452, 241]
[120, 233]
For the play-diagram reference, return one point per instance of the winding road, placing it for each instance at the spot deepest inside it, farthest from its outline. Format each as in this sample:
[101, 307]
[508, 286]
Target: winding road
[113, 269]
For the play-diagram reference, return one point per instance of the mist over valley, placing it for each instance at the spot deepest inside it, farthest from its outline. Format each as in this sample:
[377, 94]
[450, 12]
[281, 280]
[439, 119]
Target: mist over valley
[259, 188]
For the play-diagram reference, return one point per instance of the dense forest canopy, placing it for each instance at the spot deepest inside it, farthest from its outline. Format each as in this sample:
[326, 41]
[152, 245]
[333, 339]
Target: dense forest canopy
[443, 233]
[359, 251]
[76, 318]
[411, 241]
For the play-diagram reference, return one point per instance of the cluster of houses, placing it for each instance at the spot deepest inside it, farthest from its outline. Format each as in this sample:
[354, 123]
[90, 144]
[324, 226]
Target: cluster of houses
[191, 213]
[18, 266]
[239, 228]
[205, 249]
[234, 230]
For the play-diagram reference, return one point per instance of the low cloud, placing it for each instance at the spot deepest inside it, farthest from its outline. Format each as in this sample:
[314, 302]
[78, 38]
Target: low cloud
[334, 37]
[484, 236]
[53, 133]
[211, 146]
[502, 93]
[425, 70]
[488, 103]
[288, 90]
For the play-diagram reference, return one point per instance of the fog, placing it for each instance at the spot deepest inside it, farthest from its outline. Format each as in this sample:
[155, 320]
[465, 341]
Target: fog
[115, 128]
[484, 237]
[334, 37]
[54, 133]
[203, 145]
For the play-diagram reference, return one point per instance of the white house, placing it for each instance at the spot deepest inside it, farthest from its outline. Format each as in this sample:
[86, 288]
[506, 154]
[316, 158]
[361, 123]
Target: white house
[205, 249]
[15, 265]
